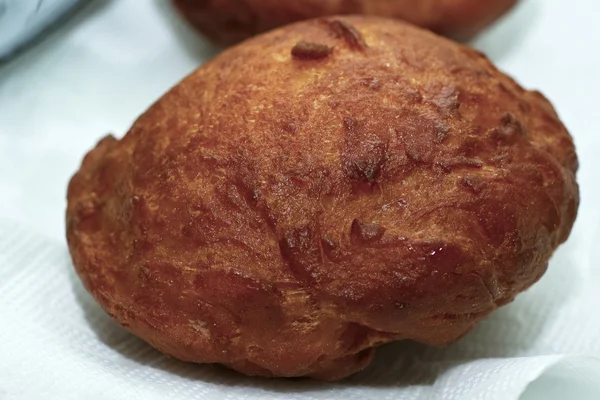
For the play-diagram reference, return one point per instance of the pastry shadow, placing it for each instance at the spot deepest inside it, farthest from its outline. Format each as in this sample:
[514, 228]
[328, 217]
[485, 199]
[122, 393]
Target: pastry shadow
[500, 39]
[509, 332]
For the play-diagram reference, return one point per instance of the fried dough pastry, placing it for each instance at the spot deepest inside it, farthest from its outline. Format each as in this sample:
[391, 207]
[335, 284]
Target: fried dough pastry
[230, 21]
[321, 190]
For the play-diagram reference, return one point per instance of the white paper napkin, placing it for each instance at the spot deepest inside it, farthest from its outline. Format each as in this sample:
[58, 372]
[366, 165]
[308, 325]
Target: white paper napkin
[105, 66]
[56, 343]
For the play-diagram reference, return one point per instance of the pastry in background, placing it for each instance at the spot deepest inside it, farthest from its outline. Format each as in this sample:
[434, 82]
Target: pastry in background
[230, 21]
[318, 191]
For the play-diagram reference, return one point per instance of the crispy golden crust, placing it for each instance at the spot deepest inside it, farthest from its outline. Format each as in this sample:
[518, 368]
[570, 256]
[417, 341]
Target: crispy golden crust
[320, 190]
[230, 21]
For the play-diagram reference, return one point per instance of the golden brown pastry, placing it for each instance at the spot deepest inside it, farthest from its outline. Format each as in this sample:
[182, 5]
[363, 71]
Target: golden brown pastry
[230, 21]
[320, 190]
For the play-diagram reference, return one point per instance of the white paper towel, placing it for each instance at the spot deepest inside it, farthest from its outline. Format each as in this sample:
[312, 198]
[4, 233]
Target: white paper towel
[105, 66]
[56, 343]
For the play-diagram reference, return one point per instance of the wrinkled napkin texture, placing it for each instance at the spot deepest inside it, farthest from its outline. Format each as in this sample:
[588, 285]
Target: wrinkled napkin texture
[56, 342]
[105, 66]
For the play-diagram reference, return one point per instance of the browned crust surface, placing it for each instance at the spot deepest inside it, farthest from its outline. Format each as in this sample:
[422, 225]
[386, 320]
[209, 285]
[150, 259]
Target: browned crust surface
[230, 21]
[283, 214]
